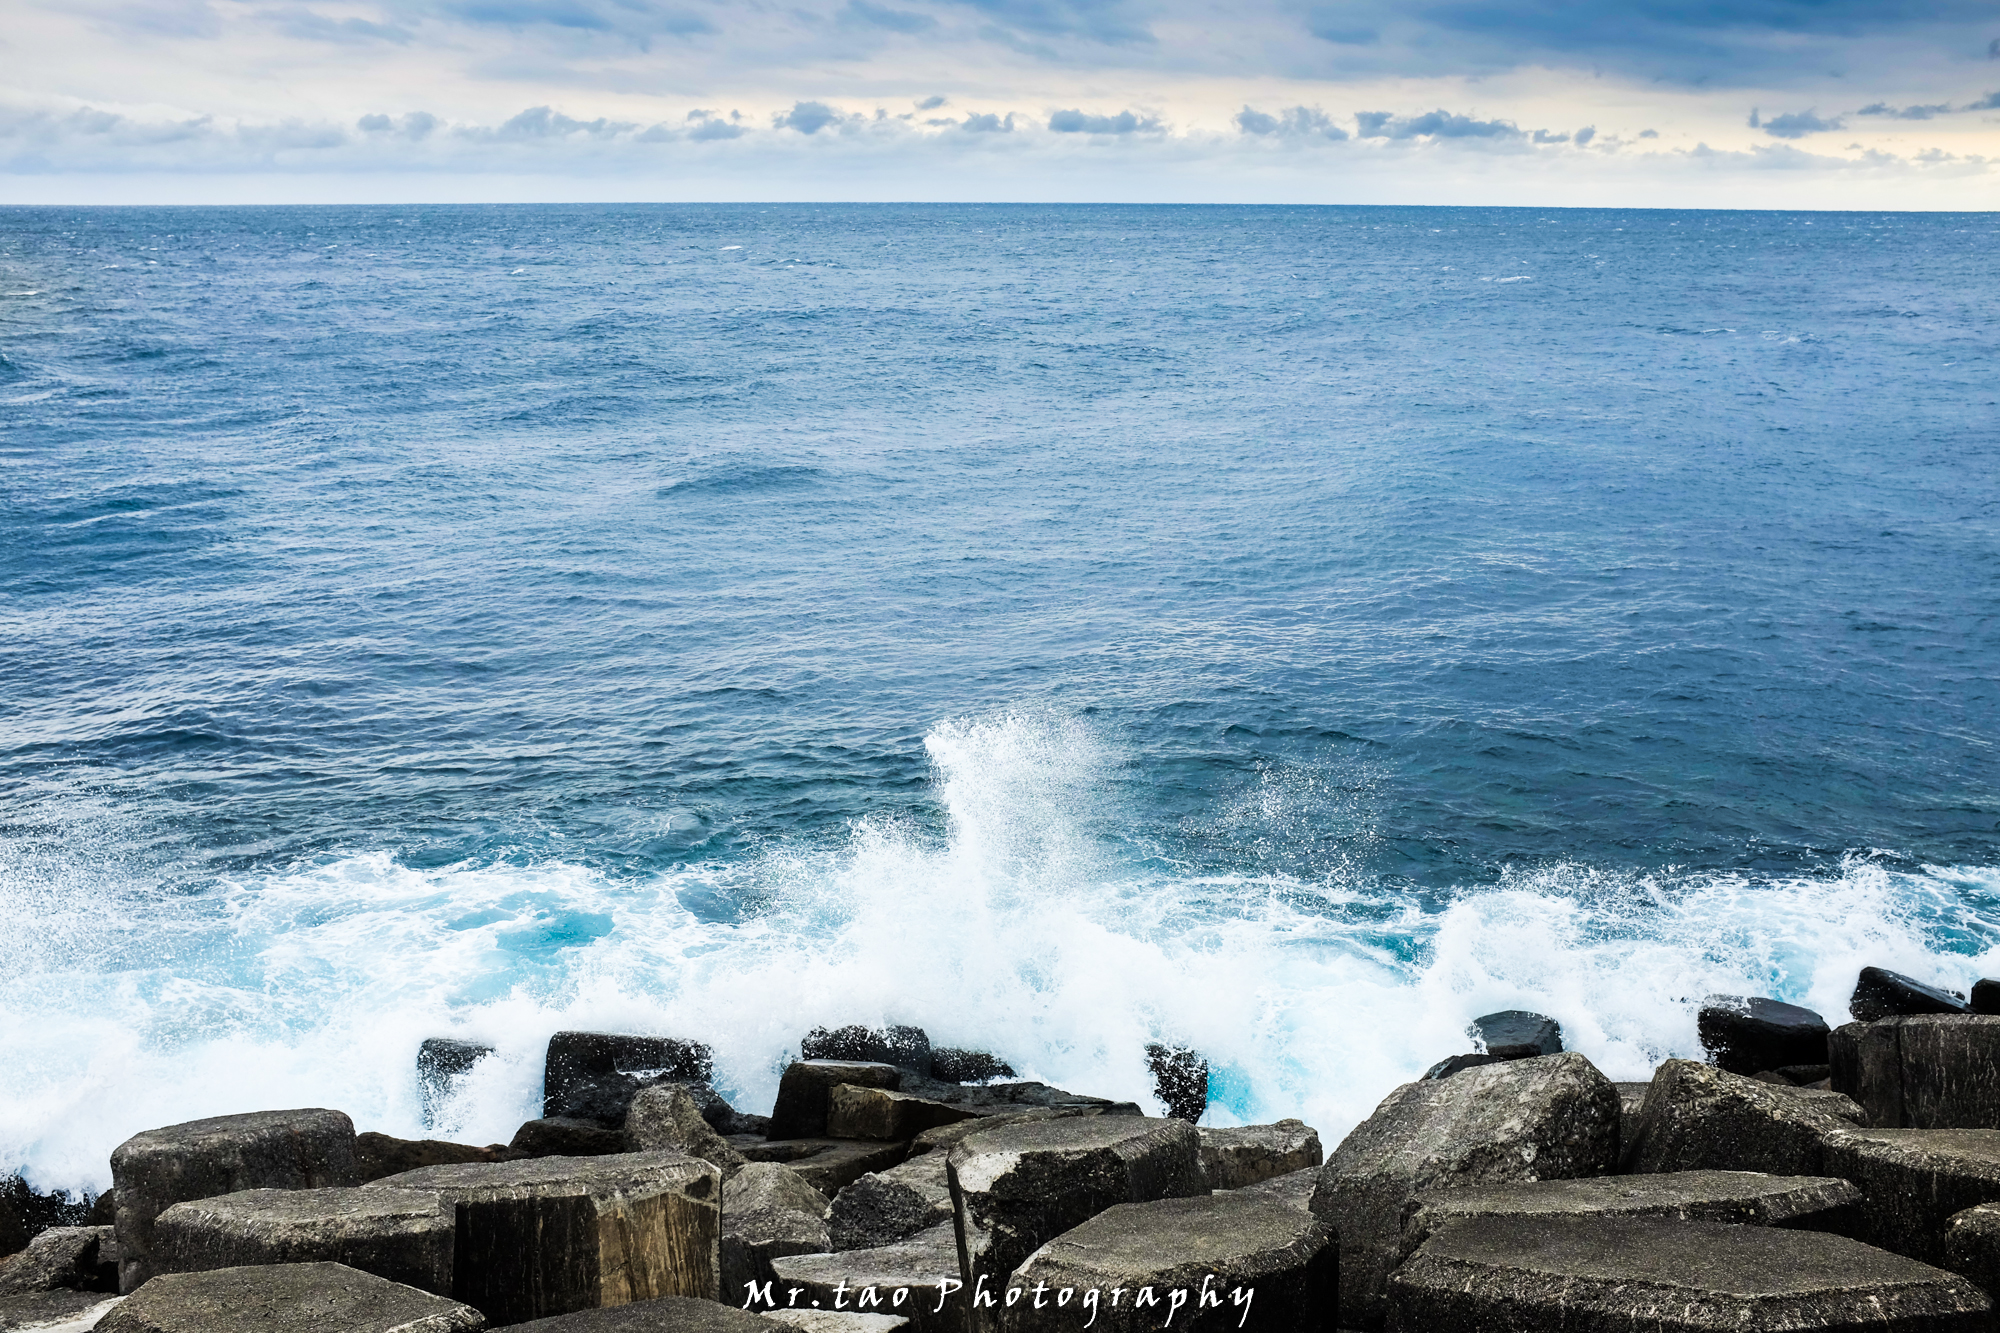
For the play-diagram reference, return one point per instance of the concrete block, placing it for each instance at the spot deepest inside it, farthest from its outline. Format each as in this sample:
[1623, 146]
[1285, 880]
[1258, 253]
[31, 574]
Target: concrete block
[768, 1211]
[856, 1112]
[1233, 1158]
[806, 1086]
[912, 1279]
[884, 1207]
[399, 1234]
[309, 1298]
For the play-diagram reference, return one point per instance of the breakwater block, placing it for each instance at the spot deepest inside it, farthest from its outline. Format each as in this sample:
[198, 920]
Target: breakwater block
[1880, 993]
[402, 1235]
[560, 1136]
[884, 1207]
[1748, 1034]
[908, 1047]
[441, 1063]
[274, 1296]
[1233, 1158]
[667, 1116]
[1698, 1118]
[768, 1211]
[379, 1155]
[806, 1086]
[1547, 1118]
[1913, 1181]
[1972, 1246]
[669, 1314]
[559, 1234]
[856, 1112]
[1516, 1034]
[575, 1058]
[153, 1170]
[1294, 1190]
[922, 1269]
[836, 1321]
[76, 1258]
[1020, 1186]
[1929, 1071]
[1600, 1274]
[1227, 1261]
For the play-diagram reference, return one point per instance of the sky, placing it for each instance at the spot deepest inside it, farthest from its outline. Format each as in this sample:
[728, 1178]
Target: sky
[1643, 103]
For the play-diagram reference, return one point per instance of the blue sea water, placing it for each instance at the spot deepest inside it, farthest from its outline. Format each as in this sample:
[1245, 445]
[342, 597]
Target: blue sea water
[1285, 631]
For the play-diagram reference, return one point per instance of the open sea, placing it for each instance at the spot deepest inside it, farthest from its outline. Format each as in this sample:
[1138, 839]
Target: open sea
[1287, 632]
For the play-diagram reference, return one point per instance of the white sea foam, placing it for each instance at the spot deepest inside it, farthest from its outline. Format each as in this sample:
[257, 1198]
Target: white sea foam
[1018, 927]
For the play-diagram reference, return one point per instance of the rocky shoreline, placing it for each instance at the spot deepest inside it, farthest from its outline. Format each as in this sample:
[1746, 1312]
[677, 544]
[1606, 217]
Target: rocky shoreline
[1802, 1178]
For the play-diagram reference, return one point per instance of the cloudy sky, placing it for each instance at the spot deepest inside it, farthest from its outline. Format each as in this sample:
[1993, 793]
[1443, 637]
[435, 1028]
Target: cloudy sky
[1747, 103]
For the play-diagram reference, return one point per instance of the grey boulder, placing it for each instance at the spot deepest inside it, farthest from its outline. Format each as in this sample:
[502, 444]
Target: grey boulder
[77, 1258]
[1932, 1071]
[1698, 1118]
[399, 1234]
[298, 1298]
[667, 1116]
[884, 1207]
[913, 1279]
[667, 1314]
[805, 1087]
[768, 1211]
[1913, 1181]
[1233, 1158]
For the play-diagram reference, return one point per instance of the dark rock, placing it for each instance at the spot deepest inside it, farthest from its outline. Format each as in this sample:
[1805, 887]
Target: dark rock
[667, 1116]
[1748, 1034]
[58, 1311]
[1294, 1190]
[579, 1057]
[1543, 1118]
[1972, 1241]
[804, 1087]
[1806, 1076]
[557, 1234]
[1697, 1118]
[25, 1213]
[402, 1235]
[279, 1296]
[1914, 1180]
[1926, 1071]
[1986, 996]
[947, 1137]
[1180, 1079]
[1022, 1185]
[868, 1282]
[753, 1126]
[768, 1212]
[304, 1149]
[1264, 1266]
[854, 1112]
[844, 1161]
[1233, 1158]
[669, 1314]
[1516, 1034]
[558, 1137]
[1631, 1105]
[955, 1066]
[884, 1207]
[77, 1258]
[836, 1321]
[1453, 1064]
[1880, 993]
[379, 1155]
[907, 1047]
[1606, 1274]
[441, 1062]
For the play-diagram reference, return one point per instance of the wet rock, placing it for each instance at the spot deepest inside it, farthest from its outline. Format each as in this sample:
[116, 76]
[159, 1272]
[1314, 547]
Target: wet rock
[946, 1137]
[1748, 1034]
[1880, 993]
[952, 1065]
[1542, 1118]
[907, 1047]
[1516, 1034]
[828, 1165]
[884, 1207]
[1986, 996]
[1606, 1274]
[441, 1063]
[560, 1137]
[379, 1155]
[267, 1297]
[1631, 1102]
[806, 1085]
[1806, 1076]
[77, 1258]
[667, 1116]
[1928, 1071]
[1913, 1181]
[854, 1112]
[26, 1213]
[1022, 1185]
[1180, 1079]
[911, 1279]
[836, 1321]
[402, 1235]
[578, 1057]
[1262, 1265]
[767, 1212]
[1233, 1158]
[1012, 1098]
[58, 1311]
[557, 1234]
[152, 1171]
[1453, 1064]
[1697, 1118]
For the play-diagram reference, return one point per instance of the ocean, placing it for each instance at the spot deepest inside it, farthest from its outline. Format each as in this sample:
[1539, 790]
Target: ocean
[1284, 632]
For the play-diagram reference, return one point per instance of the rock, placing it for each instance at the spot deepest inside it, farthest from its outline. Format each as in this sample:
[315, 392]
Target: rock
[277, 1296]
[1972, 1241]
[399, 1234]
[379, 1155]
[77, 1258]
[806, 1085]
[855, 1112]
[1748, 1034]
[1926, 1071]
[577, 1057]
[1914, 1180]
[1986, 996]
[955, 1066]
[1224, 1261]
[1550, 1117]
[1557, 1274]
[153, 1170]
[1698, 1118]
[26, 1213]
[947, 1137]
[1453, 1064]
[667, 1116]
[1516, 1034]
[768, 1211]
[1180, 1079]
[559, 1137]
[668, 1314]
[1022, 1185]
[58, 1311]
[1631, 1103]
[1880, 993]
[1806, 1076]
[1294, 1190]
[884, 1207]
[913, 1279]
[1233, 1158]
[1012, 1098]
[558, 1234]
[907, 1047]
[441, 1062]
[836, 1321]
[829, 1165]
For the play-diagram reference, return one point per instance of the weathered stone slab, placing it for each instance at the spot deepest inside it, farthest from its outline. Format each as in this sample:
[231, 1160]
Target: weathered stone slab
[441, 1063]
[379, 1155]
[836, 1321]
[905, 1047]
[558, 1234]
[1516, 1034]
[913, 1279]
[1616, 1274]
[1697, 1118]
[837, 1163]
[1233, 1158]
[304, 1298]
[855, 1112]
[768, 1211]
[1019, 1187]
[947, 1137]
[1550, 1117]
[1972, 1242]
[1225, 1261]
[805, 1088]
[1450, 1065]
[559, 1136]
[578, 1057]
[1880, 993]
[79, 1258]
[58, 1311]
[1929, 1071]
[1746, 1034]
[399, 1234]
[668, 1314]
[1914, 1180]
[884, 1207]
[1294, 1190]
[666, 1116]
[153, 1170]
